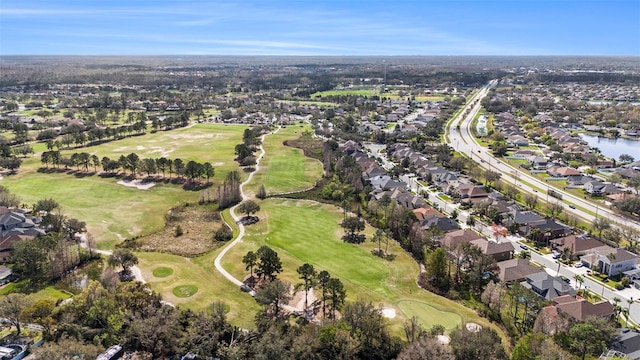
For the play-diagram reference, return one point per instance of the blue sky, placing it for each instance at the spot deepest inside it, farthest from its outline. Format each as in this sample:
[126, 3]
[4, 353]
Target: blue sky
[345, 27]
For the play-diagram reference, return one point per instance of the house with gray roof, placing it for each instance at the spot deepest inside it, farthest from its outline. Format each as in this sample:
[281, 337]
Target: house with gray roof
[547, 287]
[599, 188]
[628, 343]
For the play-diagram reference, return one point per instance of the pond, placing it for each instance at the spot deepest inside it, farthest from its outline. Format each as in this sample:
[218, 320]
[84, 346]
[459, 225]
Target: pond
[613, 148]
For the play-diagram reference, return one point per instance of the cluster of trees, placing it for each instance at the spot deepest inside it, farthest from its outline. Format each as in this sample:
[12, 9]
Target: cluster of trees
[266, 262]
[192, 170]
[50, 257]
[473, 270]
[544, 334]
[249, 145]
[274, 293]
[110, 312]
[229, 194]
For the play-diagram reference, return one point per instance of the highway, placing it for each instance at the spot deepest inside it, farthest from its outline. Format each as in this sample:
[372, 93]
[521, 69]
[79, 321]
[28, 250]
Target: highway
[461, 139]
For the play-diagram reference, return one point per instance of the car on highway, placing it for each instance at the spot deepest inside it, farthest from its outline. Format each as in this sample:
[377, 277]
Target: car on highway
[524, 247]
[572, 206]
[565, 279]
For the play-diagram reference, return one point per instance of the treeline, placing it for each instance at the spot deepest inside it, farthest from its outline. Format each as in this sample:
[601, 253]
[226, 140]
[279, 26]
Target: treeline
[130, 314]
[228, 194]
[81, 135]
[133, 163]
[250, 143]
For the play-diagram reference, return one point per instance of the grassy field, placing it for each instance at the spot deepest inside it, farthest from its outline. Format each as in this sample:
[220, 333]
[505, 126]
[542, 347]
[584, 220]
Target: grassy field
[113, 212]
[285, 168]
[196, 273]
[304, 231]
[342, 92]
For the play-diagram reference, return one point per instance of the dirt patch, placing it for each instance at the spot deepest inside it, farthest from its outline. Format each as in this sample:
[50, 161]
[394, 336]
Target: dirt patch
[197, 223]
[138, 184]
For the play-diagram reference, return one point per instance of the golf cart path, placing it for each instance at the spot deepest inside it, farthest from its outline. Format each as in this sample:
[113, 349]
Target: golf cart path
[236, 218]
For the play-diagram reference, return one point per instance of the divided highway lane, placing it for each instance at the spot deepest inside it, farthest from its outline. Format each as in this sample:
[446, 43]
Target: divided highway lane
[461, 139]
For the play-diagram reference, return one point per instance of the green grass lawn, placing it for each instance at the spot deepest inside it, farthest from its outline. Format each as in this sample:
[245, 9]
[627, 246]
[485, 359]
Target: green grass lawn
[308, 232]
[199, 272]
[354, 91]
[113, 212]
[285, 168]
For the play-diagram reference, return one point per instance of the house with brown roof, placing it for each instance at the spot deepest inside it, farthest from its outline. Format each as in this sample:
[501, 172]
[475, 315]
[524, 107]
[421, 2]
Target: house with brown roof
[426, 212]
[562, 171]
[470, 192]
[580, 309]
[578, 245]
[6, 245]
[516, 270]
[453, 239]
[499, 251]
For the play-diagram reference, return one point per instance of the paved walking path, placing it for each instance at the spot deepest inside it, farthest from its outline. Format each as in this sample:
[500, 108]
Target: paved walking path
[236, 218]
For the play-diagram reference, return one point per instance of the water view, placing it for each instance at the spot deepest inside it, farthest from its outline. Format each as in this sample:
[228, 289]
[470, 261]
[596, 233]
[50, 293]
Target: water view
[613, 148]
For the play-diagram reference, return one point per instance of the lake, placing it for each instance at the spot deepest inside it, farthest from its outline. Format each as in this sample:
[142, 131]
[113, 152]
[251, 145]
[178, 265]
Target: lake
[613, 148]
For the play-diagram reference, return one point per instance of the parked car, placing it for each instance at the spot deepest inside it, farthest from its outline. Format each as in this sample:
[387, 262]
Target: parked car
[578, 265]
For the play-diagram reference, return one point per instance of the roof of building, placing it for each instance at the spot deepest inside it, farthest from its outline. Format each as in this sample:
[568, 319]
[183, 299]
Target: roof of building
[491, 247]
[580, 309]
[452, 239]
[548, 287]
[516, 269]
[628, 343]
[577, 243]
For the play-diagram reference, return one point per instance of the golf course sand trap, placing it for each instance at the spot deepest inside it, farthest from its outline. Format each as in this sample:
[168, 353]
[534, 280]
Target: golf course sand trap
[137, 184]
[443, 339]
[389, 313]
[473, 327]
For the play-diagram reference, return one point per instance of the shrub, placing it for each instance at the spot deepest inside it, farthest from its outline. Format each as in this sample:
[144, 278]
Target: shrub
[223, 234]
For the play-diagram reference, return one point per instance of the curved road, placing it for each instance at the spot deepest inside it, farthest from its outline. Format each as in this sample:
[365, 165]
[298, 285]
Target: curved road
[461, 139]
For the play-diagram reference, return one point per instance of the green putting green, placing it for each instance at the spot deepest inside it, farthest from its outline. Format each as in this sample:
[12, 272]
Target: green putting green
[162, 271]
[184, 291]
[428, 315]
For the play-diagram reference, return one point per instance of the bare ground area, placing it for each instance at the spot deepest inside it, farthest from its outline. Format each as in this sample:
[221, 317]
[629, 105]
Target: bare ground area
[198, 224]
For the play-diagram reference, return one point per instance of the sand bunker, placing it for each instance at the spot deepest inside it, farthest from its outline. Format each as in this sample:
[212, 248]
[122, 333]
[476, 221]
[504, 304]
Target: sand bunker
[473, 327]
[137, 184]
[443, 339]
[389, 313]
